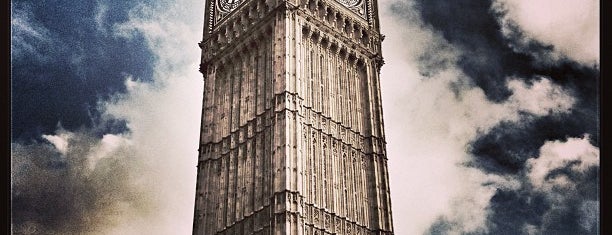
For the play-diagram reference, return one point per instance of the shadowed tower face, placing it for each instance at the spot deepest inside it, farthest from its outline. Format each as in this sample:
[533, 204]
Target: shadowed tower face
[292, 137]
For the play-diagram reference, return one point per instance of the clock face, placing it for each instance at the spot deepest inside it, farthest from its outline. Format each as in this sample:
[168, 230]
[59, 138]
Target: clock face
[349, 3]
[228, 5]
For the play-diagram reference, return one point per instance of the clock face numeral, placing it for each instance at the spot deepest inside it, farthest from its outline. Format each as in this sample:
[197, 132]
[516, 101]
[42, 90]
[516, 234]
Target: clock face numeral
[228, 5]
[349, 3]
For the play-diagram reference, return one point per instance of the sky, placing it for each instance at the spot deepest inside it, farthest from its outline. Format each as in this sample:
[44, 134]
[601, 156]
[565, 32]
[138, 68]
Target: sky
[491, 113]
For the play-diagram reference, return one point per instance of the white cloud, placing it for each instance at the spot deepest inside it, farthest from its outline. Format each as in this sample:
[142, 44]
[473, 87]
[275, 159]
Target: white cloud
[571, 26]
[530, 229]
[576, 153]
[107, 147]
[60, 141]
[164, 116]
[540, 98]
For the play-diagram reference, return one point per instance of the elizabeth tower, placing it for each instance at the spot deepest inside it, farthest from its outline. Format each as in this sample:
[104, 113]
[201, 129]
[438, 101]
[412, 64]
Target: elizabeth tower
[292, 138]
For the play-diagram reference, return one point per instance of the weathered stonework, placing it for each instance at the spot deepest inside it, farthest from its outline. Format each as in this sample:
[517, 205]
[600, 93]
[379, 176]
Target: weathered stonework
[292, 138]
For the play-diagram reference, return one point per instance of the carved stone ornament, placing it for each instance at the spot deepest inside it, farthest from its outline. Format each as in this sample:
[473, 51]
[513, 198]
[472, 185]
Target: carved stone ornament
[227, 6]
[349, 3]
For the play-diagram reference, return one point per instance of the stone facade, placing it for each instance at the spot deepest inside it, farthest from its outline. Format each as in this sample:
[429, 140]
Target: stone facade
[292, 138]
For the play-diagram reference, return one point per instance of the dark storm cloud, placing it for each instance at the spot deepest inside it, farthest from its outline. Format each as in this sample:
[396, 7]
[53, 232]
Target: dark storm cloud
[490, 58]
[487, 56]
[470, 26]
[558, 211]
[65, 59]
[74, 189]
[508, 145]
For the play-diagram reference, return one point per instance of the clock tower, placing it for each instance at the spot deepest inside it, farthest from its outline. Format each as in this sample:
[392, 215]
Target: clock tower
[292, 138]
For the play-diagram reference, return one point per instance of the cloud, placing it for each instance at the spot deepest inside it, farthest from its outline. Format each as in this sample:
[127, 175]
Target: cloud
[434, 111]
[570, 26]
[71, 66]
[440, 127]
[60, 142]
[54, 190]
[565, 174]
[28, 37]
[141, 181]
[540, 98]
[100, 16]
[578, 155]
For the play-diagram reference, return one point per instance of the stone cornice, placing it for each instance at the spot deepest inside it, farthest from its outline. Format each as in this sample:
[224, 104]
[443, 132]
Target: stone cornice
[241, 31]
[335, 8]
[366, 144]
[368, 38]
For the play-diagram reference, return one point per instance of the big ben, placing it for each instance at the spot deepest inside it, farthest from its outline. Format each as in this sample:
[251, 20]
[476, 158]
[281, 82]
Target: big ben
[292, 137]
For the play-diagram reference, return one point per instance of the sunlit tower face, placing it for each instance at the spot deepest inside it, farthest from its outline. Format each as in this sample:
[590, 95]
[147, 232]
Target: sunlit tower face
[292, 138]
